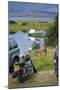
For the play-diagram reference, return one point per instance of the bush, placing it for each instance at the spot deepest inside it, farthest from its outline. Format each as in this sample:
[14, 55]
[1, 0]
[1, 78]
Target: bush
[35, 46]
[12, 22]
[24, 23]
[52, 34]
[24, 30]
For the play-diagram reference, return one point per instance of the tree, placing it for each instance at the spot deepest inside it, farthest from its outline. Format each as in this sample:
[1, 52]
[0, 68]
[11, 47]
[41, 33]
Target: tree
[52, 34]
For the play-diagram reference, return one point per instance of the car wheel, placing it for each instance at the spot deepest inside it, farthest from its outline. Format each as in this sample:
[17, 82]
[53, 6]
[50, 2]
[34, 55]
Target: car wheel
[11, 68]
[20, 78]
[34, 69]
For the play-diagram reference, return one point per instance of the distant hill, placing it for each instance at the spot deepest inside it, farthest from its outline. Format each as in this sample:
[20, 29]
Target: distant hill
[33, 14]
[32, 10]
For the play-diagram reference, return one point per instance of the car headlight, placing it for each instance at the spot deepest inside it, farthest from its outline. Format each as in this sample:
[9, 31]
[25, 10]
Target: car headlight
[21, 55]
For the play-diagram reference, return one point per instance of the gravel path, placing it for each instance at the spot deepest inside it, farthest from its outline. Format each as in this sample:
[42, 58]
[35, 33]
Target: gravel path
[42, 78]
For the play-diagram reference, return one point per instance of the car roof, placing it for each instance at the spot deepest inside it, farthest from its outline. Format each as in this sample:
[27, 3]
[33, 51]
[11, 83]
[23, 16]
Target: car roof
[23, 41]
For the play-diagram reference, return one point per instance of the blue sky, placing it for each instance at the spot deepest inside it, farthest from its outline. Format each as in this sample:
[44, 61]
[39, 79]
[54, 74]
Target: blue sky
[23, 9]
[16, 6]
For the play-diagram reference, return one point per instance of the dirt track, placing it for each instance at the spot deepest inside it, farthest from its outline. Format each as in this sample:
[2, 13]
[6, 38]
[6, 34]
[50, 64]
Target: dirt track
[42, 78]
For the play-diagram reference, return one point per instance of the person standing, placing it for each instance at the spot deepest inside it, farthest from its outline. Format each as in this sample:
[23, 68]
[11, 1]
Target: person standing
[56, 61]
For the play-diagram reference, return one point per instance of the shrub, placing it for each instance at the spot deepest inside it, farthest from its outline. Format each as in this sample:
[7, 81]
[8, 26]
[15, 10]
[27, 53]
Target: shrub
[24, 23]
[12, 22]
[35, 46]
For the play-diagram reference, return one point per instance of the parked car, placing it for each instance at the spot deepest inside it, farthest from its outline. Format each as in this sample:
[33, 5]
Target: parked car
[14, 53]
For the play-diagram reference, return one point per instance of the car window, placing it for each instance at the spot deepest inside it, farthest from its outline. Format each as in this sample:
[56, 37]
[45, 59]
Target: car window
[14, 44]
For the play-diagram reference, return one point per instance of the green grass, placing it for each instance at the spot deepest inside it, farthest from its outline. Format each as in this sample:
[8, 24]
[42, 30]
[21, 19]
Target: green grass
[18, 26]
[44, 62]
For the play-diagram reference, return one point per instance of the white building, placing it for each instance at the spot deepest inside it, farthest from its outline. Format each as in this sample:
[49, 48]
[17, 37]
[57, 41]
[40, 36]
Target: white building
[31, 31]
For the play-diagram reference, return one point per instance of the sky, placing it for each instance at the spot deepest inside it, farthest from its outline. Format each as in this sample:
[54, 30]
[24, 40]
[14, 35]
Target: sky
[23, 8]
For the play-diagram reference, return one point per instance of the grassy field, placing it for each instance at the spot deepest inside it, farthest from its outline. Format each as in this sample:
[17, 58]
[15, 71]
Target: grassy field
[42, 61]
[27, 25]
